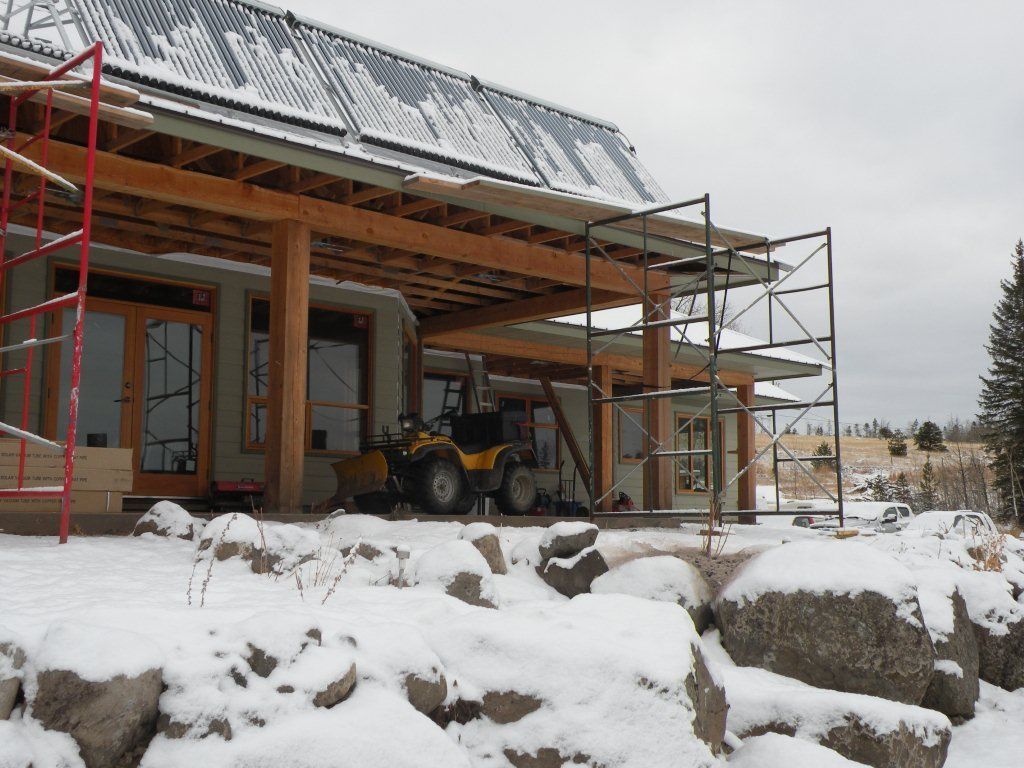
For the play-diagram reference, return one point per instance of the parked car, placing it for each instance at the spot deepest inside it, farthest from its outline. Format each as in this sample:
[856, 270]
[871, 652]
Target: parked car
[880, 516]
[964, 522]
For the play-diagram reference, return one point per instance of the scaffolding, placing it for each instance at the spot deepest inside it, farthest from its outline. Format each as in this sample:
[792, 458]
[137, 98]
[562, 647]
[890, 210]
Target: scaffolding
[689, 279]
[30, 207]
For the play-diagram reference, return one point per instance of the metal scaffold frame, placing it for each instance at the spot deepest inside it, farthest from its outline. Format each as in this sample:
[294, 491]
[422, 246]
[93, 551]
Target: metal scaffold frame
[656, 313]
[33, 204]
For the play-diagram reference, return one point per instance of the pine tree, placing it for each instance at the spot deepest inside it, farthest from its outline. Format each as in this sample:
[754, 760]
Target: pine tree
[874, 427]
[898, 443]
[879, 488]
[885, 432]
[927, 494]
[929, 437]
[901, 490]
[823, 449]
[1002, 396]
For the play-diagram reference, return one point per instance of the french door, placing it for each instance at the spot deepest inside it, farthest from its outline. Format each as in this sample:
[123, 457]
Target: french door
[145, 385]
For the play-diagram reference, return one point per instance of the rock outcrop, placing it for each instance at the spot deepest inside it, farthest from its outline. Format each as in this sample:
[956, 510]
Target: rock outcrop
[573, 575]
[484, 537]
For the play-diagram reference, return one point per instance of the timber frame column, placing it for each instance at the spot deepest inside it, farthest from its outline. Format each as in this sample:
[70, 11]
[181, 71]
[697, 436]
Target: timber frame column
[745, 452]
[604, 466]
[286, 390]
[657, 375]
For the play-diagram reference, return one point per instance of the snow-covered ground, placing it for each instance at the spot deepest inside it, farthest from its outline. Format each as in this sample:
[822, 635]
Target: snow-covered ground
[581, 657]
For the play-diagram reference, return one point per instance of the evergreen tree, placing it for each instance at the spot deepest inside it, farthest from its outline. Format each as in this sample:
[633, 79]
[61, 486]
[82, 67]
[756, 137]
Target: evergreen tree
[901, 490]
[1002, 396]
[874, 427]
[913, 426]
[848, 431]
[856, 429]
[823, 449]
[898, 443]
[879, 488]
[929, 437]
[884, 432]
[927, 493]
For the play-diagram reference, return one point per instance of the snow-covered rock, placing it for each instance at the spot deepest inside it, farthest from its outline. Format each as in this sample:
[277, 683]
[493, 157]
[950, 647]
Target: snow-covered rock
[566, 539]
[773, 750]
[12, 663]
[484, 537]
[267, 547]
[954, 685]
[661, 578]
[460, 570]
[573, 575]
[99, 685]
[597, 704]
[837, 615]
[526, 551]
[165, 518]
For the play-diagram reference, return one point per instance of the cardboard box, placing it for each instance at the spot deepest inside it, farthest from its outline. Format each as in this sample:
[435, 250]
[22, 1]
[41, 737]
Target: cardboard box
[81, 502]
[96, 469]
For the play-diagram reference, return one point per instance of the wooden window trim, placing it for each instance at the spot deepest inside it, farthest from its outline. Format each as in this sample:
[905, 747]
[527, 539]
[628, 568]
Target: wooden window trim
[531, 424]
[248, 446]
[680, 418]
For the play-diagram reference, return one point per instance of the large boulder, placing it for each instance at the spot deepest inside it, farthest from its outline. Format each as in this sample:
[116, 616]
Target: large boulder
[706, 691]
[622, 684]
[953, 689]
[267, 547]
[12, 663]
[773, 750]
[165, 518]
[567, 539]
[867, 729]
[573, 575]
[460, 570]
[836, 615]
[661, 578]
[100, 686]
[484, 537]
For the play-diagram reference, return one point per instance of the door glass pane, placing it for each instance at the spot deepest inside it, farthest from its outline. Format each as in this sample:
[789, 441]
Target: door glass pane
[170, 406]
[335, 429]
[99, 422]
[442, 395]
[545, 445]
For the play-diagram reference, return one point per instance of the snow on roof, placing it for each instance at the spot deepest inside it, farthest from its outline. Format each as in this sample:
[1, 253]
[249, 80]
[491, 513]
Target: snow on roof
[263, 61]
[774, 392]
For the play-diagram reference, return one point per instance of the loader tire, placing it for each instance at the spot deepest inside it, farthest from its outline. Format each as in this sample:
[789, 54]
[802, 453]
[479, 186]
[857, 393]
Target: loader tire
[377, 503]
[438, 486]
[517, 492]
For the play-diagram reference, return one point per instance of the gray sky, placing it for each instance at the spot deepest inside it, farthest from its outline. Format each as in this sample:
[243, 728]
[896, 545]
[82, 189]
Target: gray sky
[900, 124]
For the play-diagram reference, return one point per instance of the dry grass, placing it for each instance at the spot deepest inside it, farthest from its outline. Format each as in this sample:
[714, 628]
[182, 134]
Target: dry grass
[861, 456]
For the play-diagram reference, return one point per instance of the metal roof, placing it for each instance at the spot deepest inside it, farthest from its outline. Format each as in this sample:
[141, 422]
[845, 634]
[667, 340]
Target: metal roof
[259, 60]
[239, 55]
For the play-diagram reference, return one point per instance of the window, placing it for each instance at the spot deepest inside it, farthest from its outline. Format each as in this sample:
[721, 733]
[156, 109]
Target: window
[337, 384]
[694, 434]
[631, 435]
[444, 395]
[540, 420]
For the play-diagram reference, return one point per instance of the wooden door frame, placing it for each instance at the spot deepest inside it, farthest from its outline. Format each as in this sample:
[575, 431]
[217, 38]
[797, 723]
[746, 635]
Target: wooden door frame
[155, 483]
[146, 484]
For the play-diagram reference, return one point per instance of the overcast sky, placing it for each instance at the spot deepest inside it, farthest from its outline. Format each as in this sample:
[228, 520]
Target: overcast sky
[900, 124]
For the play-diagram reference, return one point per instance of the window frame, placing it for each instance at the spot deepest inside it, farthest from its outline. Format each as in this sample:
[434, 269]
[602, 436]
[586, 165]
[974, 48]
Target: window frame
[248, 445]
[530, 424]
[680, 418]
[621, 416]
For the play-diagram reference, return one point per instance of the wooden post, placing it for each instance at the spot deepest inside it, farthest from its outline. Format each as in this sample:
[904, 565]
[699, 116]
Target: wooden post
[286, 390]
[604, 467]
[745, 451]
[657, 375]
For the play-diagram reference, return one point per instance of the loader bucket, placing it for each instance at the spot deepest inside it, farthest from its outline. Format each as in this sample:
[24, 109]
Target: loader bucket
[361, 474]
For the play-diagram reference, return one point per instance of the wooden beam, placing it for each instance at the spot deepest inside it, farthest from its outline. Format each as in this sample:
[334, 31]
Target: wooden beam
[604, 464]
[198, 190]
[197, 152]
[745, 452]
[126, 138]
[657, 372]
[286, 392]
[259, 168]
